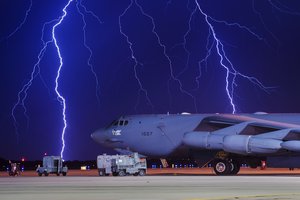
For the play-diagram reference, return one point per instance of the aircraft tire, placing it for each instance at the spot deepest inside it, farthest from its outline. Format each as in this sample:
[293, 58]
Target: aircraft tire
[222, 167]
[235, 167]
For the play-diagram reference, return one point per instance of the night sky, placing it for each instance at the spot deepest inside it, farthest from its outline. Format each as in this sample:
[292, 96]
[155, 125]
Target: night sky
[270, 53]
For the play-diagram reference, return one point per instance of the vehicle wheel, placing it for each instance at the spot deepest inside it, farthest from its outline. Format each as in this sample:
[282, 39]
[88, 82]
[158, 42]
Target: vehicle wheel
[122, 173]
[101, 172]
[115, 174]
[222, 167]
[40, 174]
[57, 174]
[64, 173]
[142, 172]
[46, 174]
[136, 174]
[106, 174]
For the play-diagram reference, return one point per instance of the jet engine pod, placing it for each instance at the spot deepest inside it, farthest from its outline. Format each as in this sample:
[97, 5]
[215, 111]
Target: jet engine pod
[293, 145]
[196, 139]
[236, 144]
[203, 140]
[245, 144]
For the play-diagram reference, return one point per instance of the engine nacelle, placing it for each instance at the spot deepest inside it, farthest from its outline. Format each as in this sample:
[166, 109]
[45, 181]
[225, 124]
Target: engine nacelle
[203, 140]
[293, 145]
[245, 144]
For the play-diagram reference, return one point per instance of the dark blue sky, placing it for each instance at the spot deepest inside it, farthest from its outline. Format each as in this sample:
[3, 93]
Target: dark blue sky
[272, 57]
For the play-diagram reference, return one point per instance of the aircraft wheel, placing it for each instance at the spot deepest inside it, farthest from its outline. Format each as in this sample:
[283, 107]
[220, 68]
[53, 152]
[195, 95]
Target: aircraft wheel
[142, 172]
[222, 167]
[235, 167]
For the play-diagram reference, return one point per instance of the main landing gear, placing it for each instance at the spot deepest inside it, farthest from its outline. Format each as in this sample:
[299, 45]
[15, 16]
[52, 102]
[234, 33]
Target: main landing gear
[226, 166]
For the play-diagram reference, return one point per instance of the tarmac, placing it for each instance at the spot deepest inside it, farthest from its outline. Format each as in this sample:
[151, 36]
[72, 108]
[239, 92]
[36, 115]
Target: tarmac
[169, 186]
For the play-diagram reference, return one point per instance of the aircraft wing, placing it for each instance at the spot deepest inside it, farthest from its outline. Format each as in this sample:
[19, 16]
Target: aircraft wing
[236, 119]
[245, 135]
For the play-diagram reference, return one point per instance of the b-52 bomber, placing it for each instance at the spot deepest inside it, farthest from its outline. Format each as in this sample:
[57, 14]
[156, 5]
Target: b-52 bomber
[230, 139]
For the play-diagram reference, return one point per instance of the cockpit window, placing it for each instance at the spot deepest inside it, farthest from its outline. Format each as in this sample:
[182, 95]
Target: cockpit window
[116, 123]
[112, 123]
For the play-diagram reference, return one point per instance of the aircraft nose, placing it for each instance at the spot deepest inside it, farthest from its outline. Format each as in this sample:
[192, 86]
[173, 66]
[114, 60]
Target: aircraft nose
[98, 136]
[93, 135]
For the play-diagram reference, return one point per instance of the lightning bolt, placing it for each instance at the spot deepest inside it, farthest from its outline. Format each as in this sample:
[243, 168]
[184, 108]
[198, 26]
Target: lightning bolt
[83, 16]
[231, 72]
[203, 61]
[60, 98]
[264, 24]
[22, 95]
[185, 38]
[79, 4]
[133, 57]
[172, 76]
[283, 8]
[245, 28]
[22, 22]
